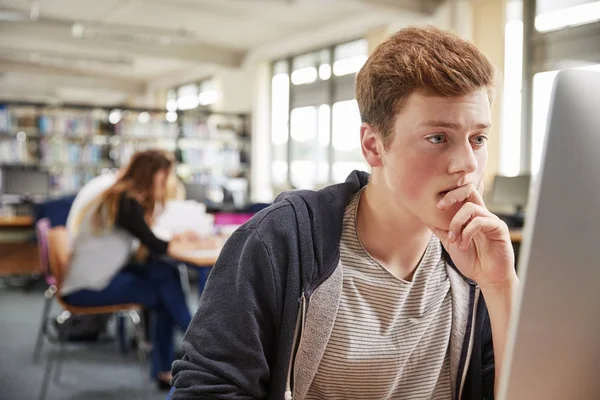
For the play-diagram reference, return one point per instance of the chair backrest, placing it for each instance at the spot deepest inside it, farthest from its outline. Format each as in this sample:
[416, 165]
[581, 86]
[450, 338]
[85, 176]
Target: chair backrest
[42, 227]
[59, 253]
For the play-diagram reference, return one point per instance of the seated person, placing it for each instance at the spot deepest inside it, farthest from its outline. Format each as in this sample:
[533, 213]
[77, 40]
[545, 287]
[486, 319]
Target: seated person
[393, 285]
[87, 194]
[102, 268]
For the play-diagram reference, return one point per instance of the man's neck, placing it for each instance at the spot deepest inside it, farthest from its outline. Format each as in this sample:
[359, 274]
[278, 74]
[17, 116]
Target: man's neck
[394, 237]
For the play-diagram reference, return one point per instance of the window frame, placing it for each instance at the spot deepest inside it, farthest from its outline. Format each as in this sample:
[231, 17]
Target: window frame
[332, 95]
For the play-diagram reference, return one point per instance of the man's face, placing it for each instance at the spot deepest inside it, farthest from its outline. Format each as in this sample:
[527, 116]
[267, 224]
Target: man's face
[437, 144]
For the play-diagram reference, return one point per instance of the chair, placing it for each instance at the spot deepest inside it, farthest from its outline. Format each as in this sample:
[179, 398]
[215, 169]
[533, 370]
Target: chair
[42, 227]
[58, 259]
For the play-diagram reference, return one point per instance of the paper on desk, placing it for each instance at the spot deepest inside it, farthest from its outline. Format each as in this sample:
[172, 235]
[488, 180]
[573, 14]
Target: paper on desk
[180, 216]
[212, 253]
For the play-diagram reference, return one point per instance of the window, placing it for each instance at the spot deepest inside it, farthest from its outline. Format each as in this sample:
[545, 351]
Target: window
[314, 117]
[193, 95]
[187, 97]
[510, 138]
[553, 15]
[542, 93]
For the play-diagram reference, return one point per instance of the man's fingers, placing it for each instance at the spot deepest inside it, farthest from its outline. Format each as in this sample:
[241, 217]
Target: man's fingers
[479, 224]
[474, 227]
[462, 218]
[459, 195]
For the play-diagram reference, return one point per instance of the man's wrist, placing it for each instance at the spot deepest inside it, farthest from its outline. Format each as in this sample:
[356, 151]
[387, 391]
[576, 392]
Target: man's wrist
[500, 289]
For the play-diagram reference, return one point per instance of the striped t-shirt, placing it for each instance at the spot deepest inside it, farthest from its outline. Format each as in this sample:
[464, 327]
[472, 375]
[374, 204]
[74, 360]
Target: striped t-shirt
[390, 337]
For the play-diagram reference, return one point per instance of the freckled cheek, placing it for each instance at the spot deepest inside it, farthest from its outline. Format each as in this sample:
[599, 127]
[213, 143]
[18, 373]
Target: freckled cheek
[415, 182]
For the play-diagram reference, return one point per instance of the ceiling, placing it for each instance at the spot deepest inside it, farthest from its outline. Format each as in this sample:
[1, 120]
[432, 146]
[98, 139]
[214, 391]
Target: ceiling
[92, 51]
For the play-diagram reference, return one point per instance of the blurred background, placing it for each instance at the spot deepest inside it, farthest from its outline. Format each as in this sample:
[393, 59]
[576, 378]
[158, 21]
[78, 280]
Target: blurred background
[253, 97]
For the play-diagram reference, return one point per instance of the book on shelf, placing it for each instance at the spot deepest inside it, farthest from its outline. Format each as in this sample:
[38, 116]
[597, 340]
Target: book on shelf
[75, 144]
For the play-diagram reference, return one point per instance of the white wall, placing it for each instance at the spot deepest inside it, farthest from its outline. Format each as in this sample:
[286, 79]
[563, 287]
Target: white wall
[237, 88]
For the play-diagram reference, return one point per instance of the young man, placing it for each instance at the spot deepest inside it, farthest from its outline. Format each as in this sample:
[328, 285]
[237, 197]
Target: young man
[393, 286]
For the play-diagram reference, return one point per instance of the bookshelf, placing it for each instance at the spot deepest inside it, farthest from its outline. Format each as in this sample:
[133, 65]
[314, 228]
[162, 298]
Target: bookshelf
[74, 143]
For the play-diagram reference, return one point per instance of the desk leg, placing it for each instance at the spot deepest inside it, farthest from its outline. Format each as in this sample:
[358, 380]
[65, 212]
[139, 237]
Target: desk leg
[202, 277]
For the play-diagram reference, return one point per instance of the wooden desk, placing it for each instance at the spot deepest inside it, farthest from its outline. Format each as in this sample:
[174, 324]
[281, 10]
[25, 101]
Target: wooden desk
[24, 221]
[18, 253]
[516, 235]
[200, 258]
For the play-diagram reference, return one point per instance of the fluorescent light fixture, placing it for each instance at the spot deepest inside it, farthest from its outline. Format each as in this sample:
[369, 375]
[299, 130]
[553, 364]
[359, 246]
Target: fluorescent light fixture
[208, 97]
[304, 75]
[77, 31]
[143, 117]
[348, 65]
[571, 16]
[171, 116]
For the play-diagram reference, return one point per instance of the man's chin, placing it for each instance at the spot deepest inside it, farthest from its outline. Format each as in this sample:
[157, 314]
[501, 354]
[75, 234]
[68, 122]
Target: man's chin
[440, 221]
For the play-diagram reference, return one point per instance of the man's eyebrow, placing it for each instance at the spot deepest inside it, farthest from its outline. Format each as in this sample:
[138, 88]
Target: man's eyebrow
[450, 125]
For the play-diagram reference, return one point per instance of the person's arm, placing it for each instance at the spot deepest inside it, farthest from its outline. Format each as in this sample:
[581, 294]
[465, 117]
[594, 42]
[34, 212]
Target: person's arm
[232, 334]
[131, 218]
[499, 300]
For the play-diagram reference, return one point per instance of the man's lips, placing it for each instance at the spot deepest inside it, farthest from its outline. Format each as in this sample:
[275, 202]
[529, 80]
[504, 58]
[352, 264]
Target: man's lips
[445, 192]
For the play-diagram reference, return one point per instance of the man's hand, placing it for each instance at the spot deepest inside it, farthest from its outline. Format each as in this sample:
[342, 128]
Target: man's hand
[478, 241]
[479, 244]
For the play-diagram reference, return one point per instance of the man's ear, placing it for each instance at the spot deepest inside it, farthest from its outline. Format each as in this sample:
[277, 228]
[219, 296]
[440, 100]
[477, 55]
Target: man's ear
[371, 146]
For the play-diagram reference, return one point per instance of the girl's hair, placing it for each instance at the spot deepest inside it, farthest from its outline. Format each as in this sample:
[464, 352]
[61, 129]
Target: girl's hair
[137, 181]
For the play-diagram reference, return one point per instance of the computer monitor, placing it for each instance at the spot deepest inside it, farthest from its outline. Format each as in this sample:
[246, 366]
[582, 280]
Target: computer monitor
[553, 346]
[24, 182]
[195, 191]
[511, 191]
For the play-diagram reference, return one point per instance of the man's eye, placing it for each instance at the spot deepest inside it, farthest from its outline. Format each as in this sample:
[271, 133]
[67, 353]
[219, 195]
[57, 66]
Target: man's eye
[437, 139]
[480, 140]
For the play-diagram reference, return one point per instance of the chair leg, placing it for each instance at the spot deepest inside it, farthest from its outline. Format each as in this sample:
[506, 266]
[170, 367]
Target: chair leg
[140, 333]
[52, 361]
[61, 346]
[49, 295]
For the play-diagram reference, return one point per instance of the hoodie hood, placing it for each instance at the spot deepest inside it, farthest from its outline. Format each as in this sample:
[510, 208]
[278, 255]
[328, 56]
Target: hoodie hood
[320, 228]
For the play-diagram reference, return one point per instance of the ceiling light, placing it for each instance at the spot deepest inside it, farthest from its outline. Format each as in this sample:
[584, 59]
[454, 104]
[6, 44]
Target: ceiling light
[77, 30]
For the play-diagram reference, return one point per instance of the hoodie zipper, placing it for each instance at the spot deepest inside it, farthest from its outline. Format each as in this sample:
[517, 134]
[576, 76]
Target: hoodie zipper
[296, 344]
[471, 340]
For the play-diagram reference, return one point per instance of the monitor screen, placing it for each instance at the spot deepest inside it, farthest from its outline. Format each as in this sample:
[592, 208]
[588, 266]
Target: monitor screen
[511, 190]
[195, 191]
[24, 182]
